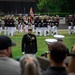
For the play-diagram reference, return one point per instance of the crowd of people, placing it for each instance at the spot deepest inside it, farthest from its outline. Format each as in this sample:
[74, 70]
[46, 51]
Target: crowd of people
[29, 65]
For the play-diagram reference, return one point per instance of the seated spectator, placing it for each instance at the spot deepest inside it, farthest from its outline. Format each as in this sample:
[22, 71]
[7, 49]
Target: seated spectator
[29, 65]
[71, 66]
[57, 54]
[8, 66]
[71, 74]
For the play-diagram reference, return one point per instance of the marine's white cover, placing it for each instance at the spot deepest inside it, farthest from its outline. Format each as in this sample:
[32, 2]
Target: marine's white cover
[49, 41]
[59, 36]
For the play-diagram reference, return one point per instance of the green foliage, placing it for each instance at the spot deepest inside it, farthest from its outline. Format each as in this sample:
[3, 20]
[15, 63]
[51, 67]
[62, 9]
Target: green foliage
[56, 6]
[48, 5]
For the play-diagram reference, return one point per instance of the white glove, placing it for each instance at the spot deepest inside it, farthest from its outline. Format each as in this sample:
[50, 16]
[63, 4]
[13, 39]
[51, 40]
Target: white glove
[23, 52]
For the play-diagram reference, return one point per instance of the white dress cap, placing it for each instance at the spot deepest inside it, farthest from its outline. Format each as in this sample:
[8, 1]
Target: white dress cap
[50, 41]
[59, 36]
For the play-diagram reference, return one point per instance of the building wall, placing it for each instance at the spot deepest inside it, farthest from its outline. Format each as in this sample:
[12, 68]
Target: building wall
[19, 0]
[14, 7]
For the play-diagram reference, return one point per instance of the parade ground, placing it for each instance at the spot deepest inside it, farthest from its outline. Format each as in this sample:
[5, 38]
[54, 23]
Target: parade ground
[69, 41]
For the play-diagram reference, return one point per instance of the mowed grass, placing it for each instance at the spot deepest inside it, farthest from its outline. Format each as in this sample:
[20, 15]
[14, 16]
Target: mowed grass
[69, 41]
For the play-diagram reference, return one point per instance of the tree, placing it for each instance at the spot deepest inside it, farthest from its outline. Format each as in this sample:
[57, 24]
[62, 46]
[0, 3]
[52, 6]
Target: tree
[49, 5]
[56, 5]
[68, 6]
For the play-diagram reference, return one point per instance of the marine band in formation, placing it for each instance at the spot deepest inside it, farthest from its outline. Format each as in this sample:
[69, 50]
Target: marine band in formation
[42, 25]
[46, 25]
[9, 25]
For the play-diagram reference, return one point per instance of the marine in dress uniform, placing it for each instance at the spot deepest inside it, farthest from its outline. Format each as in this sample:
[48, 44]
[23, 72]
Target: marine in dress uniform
[45, 26]
[12, 26]
[5, 24]
[29, 43]
[74, 24]
[9, 25]
[49, 24]
[40, 25]
[70, 23]
[20, 23]
[0, 27]
[56, 24]
[53, 25]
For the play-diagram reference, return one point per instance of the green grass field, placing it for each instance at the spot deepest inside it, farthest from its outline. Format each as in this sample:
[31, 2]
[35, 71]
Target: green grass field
[69, 40]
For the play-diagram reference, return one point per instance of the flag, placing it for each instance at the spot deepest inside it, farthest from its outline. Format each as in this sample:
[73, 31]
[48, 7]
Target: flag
[31, 12]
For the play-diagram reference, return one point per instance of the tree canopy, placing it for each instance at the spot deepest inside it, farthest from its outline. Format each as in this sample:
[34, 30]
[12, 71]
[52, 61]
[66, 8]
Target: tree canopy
[56, 6]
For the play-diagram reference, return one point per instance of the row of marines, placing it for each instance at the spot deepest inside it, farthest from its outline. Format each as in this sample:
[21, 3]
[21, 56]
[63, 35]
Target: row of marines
[70, 21]
[41, 26]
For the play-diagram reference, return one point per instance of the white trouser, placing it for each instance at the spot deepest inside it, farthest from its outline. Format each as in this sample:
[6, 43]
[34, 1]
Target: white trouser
[0, 30]
[74, 29]
[5, 30]
[19, 28]
[69, 29]
[33, 26]
[14, 29]
[54, 30]
[26, 28]
[38, 30]
[45, 31]
[10, 31]
[49, 28]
